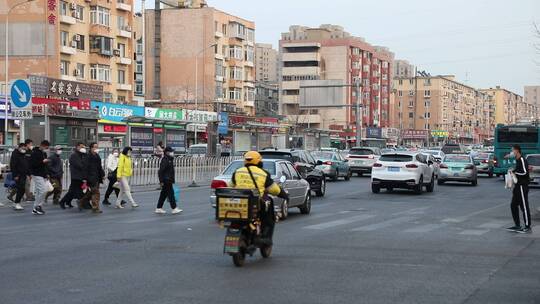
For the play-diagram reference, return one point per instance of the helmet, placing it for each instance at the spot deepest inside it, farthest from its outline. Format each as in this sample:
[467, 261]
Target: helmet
[252, 158]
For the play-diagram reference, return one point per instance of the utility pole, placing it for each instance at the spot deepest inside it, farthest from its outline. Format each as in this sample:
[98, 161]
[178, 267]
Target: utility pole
[358, 114]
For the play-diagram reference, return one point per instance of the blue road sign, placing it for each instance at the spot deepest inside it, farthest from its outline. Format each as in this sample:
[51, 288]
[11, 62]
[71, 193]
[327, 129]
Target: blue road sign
[21, 95]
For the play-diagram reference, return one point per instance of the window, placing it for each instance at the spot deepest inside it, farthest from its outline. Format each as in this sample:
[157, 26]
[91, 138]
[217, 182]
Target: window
[250, 94]
[139, 47]
[122, 49]
[427, 82]
[138, 67]
[235, 94]
[427, 115]
[236, 52]
[250, 34]
[427, 93]
[285, 171]
[79, 41]
[64, 8]
[219, 68]
[101, 45]
[107, 97]
[219, 90]
[100, 15]
[411, 115]
[250, 54]
[121, 76]
[121, 22]
[411, 93]
[79, 13]
[121, 99]
[100, 72]
[76, 133]
[64, 67]
[293, 172]
[138, 88]
[400, 93]
[236, 73]
[80, 71]
[427, 103]
[64, 40]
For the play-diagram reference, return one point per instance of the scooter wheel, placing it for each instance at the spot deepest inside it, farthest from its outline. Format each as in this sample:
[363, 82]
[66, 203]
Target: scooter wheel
[239, 259]
[266, 251]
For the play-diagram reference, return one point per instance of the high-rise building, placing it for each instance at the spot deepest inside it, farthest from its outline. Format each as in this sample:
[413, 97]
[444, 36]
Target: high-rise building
[76, 40]
[509, 106]
[202, 58]
[403, 69]
[266, 63]
[138, 58]
[532, 95]
[328, 56]
[441, 108]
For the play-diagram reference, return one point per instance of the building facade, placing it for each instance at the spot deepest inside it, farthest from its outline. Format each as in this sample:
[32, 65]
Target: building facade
[327, 56]
[532, 95]
[266, 63]
[403, 69]
[77, 40]
[441, 109]
[218, 47]
[510, 107]
[266, 99]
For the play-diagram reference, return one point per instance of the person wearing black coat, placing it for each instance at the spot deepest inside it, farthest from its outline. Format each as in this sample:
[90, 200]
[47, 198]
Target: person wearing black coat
[77, 168]
[56, 172]
[20, 170]
[94, 177]
[166, 179]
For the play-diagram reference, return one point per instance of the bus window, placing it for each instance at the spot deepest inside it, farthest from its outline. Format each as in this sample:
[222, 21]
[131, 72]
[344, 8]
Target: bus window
[517, 135]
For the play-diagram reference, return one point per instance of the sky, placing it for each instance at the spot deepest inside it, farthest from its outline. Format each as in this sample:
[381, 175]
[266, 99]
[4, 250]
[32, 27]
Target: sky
[484, 43]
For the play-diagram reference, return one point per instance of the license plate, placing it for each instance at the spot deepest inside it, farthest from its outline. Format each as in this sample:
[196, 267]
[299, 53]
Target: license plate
[359, 162]
[393, 169]
[456, 169]
[456, 174]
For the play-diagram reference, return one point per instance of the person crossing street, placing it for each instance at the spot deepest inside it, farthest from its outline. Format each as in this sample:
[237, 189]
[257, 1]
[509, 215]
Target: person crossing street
[20, 170]
[167, 180]
[95, 176]
[124, 173]
[520, 193]
[77, 168]
[56, 172]
[112, 166]
[40, 175]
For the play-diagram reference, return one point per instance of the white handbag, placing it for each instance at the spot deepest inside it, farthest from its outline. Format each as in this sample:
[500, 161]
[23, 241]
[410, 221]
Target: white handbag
[509, 180]
[49, 186]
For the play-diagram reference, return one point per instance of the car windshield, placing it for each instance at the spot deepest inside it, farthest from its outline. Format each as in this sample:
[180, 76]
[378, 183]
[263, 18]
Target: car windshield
[400, 158]
[458, 159]
[361, 152]
[267, 165]
[434, 153]
[322, 155]
[533, 160]
[277, 155]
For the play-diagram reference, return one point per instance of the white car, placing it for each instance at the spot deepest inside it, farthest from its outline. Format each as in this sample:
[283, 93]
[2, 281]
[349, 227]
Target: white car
[438, 154]
[409, 170]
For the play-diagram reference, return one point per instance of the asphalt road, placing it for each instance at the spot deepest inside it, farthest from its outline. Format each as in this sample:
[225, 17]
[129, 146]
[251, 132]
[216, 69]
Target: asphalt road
[356, 247]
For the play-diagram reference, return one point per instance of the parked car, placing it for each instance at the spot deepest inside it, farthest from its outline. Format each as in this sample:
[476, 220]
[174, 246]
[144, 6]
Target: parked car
[409, 170]
[534, 167]
[333, 164]
[486, 163]
[294, 184]
[361, 159]
[458, 168]
[453, 149]
[304, 162]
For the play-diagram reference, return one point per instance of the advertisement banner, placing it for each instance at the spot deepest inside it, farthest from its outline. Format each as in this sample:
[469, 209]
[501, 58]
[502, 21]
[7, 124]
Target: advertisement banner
[172, 114]
[142, 138]
[372, 132]
[223, 126]
[200, 116]
[439, 133]
[111, 112]
[176, 139]
[43, 86]
[414, 134]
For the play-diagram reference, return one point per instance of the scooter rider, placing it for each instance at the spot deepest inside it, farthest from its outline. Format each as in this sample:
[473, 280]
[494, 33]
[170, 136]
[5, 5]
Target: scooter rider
[251, 176]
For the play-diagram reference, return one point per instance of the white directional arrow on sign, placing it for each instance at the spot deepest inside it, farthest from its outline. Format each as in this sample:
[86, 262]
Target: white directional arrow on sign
[22, 95]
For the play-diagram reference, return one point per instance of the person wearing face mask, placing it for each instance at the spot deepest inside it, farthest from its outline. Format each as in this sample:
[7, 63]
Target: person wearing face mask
[123, 173]
[56, 171]
[166, 179]
[77, 168]
[95, 176]
[40, 175]
[20, 170]
[112, 166]
[27, 193]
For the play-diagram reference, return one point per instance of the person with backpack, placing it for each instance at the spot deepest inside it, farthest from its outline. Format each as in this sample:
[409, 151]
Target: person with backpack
[124, 173]
[166, 179]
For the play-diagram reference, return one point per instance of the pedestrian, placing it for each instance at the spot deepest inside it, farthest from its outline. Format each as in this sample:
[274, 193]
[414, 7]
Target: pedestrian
[20, 170]
[27, 190]
[158, 151]
[166, 179]
[40, 175]
[520, 193]
[77, 168]
[112, 166]
[95, 176]
[56, 172]
[124, 172]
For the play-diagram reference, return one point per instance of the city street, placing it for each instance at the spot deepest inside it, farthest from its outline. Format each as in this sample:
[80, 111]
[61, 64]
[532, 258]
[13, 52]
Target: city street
[449, 246]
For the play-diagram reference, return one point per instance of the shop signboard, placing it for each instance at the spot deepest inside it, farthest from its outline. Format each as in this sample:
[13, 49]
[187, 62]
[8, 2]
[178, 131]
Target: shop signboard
[110, 112]
[61, 135]
[439, 133]
[58, 88]
[200, 116]
[171, 114]
[176, 139]
[223, 126]
[372, 132]
[142, 138]
[414, 134]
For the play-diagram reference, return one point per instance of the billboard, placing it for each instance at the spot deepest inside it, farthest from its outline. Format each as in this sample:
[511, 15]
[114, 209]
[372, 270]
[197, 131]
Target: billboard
[317, 93]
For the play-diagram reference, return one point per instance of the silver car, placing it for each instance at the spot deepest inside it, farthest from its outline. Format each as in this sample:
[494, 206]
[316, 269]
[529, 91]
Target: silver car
[534, 167]
[283, 173]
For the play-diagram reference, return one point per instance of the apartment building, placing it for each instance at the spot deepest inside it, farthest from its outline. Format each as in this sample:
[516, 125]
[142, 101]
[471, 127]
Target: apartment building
[77, 40]
[532, 95]
[328, 55]
[266, 99]
[444, 109]
[266, 63]
[200, 54]
[509, 106]
[403, 69]
[138, 59]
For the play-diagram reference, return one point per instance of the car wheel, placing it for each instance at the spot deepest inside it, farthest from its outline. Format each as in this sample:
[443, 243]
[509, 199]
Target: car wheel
[490, 174]
[335, 177]
[322, 191]
[360, 174]
[389, 189]
[284, 210]
[420, 186]
[348, 176]
[306, 207]
[431, 185]
[375, 189]
[440, 182]
[475, 182]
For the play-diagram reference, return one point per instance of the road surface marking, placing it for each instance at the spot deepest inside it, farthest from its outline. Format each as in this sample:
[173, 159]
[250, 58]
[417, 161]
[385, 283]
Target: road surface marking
[473, 232]
[385, 224]
[413, 211]
[465, 217]
[345, 221]
[425, 228]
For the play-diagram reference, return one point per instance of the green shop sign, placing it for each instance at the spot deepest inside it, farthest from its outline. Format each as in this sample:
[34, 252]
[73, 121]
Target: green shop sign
[164, 113]
[439, 133]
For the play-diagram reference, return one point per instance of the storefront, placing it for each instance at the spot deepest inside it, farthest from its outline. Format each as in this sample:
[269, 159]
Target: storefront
[112, 129]
[414, 138]
[143, 134]
[200, 120]
[254, 133]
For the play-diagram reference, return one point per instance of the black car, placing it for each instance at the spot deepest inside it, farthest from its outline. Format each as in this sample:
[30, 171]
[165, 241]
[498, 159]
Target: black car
[304, 162]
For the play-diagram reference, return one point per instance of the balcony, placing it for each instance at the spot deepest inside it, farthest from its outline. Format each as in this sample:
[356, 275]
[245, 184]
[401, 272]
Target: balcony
[68, 78]
[68, 50]
[249, 84]
[124, 32]
[301, 57]
[123, 7]
[124, 61]
[123, 87]
[249, 103]
[67, 19]
[289, 99]
[249, 63]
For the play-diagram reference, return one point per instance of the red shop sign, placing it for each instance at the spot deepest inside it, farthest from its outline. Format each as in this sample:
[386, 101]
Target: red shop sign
[115, 128]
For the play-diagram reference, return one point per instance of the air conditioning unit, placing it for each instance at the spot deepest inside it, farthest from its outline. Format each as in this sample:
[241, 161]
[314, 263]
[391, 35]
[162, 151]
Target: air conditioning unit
[127, 28]
[77, 37]
[74, 44]
[116, 52]
[76, 73]
[73, 6]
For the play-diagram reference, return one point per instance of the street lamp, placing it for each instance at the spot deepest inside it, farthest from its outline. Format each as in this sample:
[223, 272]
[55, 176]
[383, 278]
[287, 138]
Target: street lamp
[7, 69]
[197, 83]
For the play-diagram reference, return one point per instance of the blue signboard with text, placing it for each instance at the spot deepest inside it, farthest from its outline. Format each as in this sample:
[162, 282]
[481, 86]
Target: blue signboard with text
[372, 132]
[111, 112]
[223, 126]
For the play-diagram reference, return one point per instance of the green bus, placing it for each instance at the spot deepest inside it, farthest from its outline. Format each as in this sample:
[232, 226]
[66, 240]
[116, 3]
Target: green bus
[527, 136]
